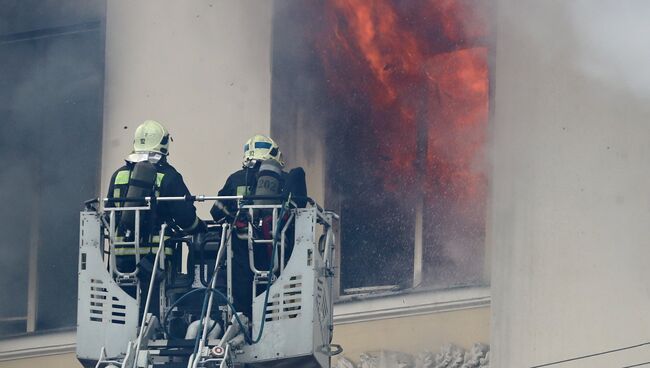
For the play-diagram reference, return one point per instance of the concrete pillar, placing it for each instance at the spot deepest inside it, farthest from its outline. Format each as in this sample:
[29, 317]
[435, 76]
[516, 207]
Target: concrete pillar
[570, 193]
[202, 68]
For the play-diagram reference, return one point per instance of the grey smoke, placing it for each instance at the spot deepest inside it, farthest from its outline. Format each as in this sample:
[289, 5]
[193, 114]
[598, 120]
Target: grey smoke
[612, 38]
[608, 41]
[51, 75]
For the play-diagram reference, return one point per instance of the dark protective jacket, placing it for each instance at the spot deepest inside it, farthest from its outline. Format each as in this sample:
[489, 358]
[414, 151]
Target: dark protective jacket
[169, 183]
[243, 182]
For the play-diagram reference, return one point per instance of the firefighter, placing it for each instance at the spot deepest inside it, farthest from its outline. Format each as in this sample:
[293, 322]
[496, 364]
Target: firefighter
[261, 156]
[145, 173]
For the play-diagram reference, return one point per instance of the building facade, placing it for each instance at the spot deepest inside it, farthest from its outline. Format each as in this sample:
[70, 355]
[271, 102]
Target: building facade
[561, 268]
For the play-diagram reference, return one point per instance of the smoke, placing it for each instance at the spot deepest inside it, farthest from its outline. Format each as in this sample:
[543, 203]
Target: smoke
[605, 40]
[612, 42]
[571, 107]
[50, 139]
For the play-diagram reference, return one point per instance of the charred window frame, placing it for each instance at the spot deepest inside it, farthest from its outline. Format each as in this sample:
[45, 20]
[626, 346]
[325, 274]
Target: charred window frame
[51, 107]
[317, 130]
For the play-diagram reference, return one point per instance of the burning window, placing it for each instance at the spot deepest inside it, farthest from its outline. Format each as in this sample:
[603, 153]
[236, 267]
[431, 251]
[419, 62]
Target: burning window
[394, 96]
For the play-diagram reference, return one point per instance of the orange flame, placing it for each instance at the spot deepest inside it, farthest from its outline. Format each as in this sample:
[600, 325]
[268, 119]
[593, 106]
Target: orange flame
[422, 68]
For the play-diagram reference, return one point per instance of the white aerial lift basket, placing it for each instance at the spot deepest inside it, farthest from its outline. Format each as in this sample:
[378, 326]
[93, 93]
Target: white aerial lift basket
[298, 322]
[106, 315]
[293, 329]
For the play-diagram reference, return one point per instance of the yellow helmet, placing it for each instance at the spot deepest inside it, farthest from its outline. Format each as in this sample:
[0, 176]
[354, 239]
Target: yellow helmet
[260, 148]
[151, 136]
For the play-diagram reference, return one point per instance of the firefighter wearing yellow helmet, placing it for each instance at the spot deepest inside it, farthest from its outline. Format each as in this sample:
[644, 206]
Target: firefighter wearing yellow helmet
[147, 172]
[151, 137]
[261, 174]
[260, 148]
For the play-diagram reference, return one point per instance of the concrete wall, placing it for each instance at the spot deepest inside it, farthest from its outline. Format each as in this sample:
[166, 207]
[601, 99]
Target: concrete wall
[570, 200]
[202, 68]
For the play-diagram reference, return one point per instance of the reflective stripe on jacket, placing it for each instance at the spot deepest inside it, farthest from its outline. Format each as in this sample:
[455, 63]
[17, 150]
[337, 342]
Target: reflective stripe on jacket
[145, 247]
[168, 183]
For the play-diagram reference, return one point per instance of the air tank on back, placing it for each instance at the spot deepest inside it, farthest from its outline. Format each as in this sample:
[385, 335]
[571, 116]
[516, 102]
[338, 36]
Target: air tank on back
[141, 183]
[269, 179]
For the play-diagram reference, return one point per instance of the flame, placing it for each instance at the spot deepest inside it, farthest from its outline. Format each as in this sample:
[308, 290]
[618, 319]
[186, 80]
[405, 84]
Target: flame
[415, 69]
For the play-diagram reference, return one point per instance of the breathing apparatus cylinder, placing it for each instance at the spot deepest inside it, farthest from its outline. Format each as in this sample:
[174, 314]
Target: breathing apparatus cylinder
[141, 183]
[268, 184]
[268, 181]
